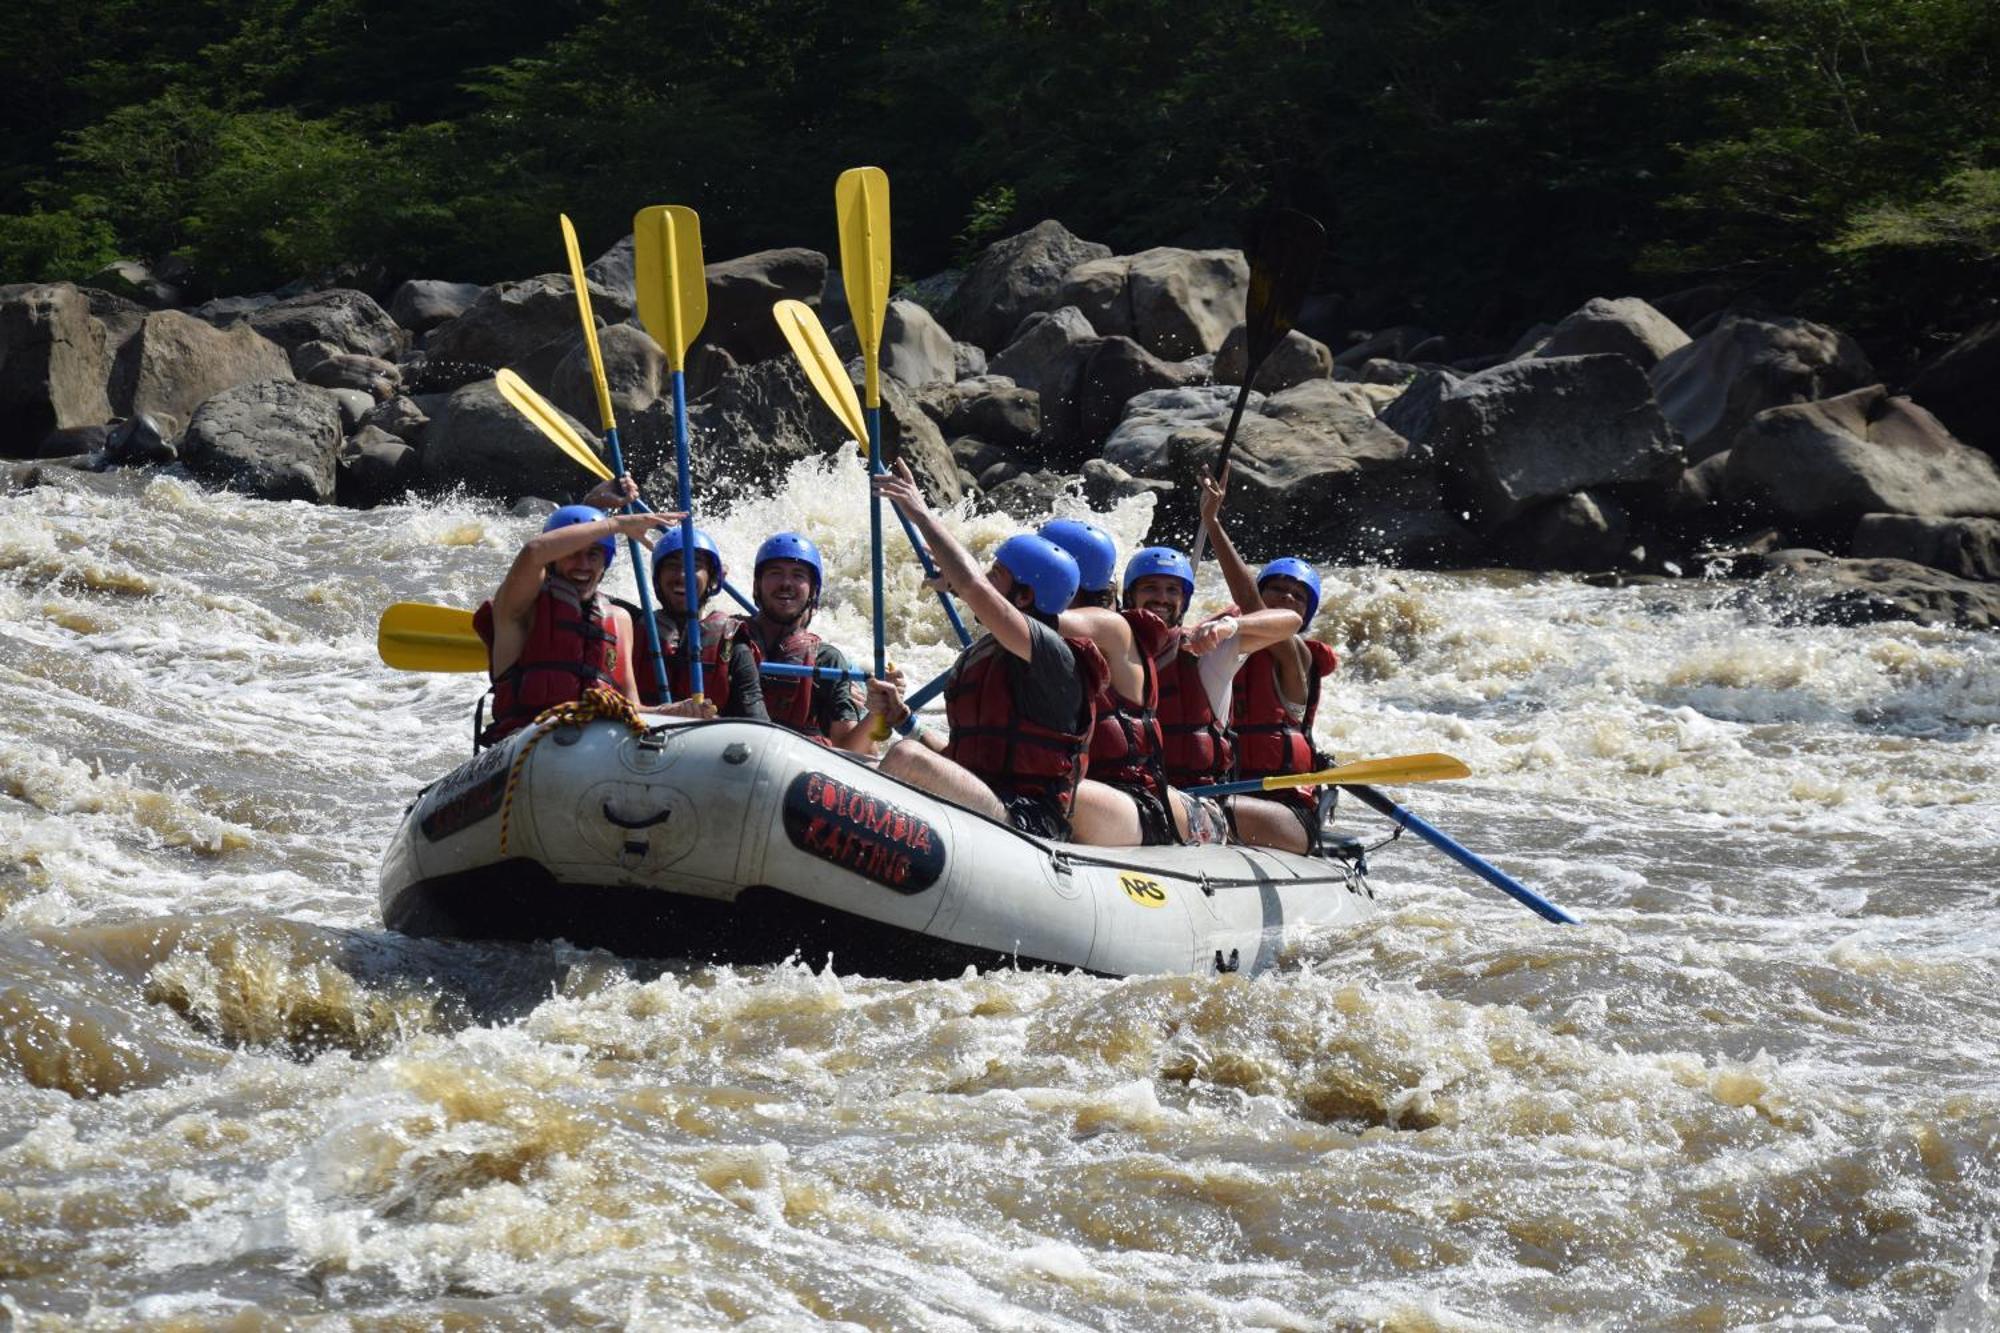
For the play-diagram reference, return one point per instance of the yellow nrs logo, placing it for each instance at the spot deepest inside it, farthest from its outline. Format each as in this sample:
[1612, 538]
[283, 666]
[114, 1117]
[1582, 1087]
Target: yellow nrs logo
[1143, 891]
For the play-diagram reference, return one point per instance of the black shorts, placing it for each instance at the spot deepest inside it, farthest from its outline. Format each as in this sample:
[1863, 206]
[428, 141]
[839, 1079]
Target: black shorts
[1037, 816]
[1156, 822]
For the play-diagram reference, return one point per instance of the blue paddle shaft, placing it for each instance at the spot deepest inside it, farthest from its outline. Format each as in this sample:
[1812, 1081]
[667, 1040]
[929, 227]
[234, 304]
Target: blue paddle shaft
[930, 570]
[691, 587]
[1226, 788]
[875, 540]
[796, 671]
[641, 571]
[1478, 865]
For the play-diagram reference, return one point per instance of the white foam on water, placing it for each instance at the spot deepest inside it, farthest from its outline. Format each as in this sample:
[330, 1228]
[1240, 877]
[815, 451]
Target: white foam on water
[1753, 1089]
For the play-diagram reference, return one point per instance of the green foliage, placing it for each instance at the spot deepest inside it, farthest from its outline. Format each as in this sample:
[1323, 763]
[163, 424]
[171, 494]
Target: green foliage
[54, 246]
[1964, 215]
[986, 221]
[1480, 163]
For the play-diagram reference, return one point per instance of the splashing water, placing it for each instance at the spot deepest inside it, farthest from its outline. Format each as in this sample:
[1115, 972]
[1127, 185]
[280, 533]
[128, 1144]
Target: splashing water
[1754, 1090]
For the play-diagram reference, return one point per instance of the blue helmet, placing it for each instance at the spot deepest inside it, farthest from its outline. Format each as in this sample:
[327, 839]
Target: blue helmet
[570, 515]
[1291, 567]
[790, 546]
[1047, 570]
[1160, 560]
[1096, 554]
[704, 545]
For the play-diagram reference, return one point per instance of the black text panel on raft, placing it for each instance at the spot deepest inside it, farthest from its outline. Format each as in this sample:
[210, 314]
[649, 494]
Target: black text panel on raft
[736, 841]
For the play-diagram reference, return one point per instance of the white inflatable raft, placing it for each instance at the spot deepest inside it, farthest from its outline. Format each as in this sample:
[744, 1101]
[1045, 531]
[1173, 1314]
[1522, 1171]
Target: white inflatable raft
[744, 842]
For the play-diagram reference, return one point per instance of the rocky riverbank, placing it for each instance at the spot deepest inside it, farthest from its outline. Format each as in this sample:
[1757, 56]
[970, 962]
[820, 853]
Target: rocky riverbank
[1628, 440]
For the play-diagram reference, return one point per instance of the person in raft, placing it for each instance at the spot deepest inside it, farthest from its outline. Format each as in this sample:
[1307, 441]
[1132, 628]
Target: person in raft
[1276, 692]
[1019, 699]
[1127, 799]
[1197, 687]
[550, 637]
[785, 585]
[729, 677]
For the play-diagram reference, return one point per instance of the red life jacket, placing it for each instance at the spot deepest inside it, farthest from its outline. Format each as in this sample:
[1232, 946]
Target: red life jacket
[571, 646]
[1198, 747]
[1125, 743]
[1012, 753]
[717, 633]
[789, 702]
[1268, 742]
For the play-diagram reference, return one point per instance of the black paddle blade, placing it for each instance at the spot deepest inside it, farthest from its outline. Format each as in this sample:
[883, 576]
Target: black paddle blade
[1284, 255]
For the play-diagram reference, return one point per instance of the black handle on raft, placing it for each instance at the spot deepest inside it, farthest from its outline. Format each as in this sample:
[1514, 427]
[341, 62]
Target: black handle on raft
[647, 822]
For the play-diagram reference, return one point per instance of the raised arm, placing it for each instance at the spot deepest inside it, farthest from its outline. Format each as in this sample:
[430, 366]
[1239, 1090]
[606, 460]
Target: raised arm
[1242, 583]
[955, 564]
[515, 599]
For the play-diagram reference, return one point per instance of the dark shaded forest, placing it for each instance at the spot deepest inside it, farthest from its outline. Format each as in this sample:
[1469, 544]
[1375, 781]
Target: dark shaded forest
[1480, 164]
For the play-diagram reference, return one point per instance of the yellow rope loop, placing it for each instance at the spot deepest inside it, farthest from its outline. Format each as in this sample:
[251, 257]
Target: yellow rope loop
[597, 702]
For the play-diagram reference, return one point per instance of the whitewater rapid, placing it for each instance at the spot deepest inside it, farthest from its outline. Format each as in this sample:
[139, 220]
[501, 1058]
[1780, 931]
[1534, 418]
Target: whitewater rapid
[1754, 1089]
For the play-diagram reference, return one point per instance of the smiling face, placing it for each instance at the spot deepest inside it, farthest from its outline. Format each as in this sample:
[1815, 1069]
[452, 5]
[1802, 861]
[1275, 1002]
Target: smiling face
[785, 590]
[1162, 594]
[670, 582]
[584, 569]
[1282, 593]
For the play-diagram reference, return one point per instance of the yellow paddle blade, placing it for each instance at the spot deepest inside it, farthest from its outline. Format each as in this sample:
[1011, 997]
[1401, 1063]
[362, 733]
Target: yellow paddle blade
[608, 421]
[1401, 768]
[666, 269]
[821, 363]
[416, 637]
[550, 421]
[861, 199]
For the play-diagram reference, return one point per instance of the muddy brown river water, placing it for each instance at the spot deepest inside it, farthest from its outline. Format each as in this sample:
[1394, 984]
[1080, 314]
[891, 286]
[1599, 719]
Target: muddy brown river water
[1758, 1088]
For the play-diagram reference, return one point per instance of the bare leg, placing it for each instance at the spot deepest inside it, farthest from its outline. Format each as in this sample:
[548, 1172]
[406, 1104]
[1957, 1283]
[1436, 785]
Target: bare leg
[1268, 824]
[927, 770]
[1103, 816]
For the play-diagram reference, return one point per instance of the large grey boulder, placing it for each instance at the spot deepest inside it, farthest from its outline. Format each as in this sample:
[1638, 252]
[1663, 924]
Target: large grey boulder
[1014, 278]
[1711, 388]
[1142, 444]
[1825, 464]
[53, 365]
[348, 319]
[1313, 470]
[1175, 303]
[1625, 325]
[477, 440]
[229, 309]
[1048, 356]
[523, 326]
[1294, 360]
[1526, 432]
[276, 439]
[916, 351]
[741, 292]
[1117, 371]
[615, 271]
[134, 280]
[121, 317]
[765, 417]
[375, 468]
[401, 417]
[634, 367]
[174, 362]
[349, 370]
[1967, 547]
[1963, 388]
[1577, 533]
[1865, 591]
[421, 304]
[992, 408]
